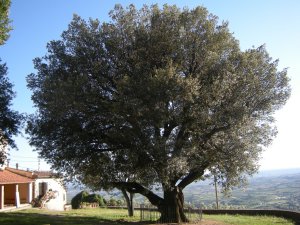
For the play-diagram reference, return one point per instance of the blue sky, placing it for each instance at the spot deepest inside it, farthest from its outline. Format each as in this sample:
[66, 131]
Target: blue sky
[275, 23]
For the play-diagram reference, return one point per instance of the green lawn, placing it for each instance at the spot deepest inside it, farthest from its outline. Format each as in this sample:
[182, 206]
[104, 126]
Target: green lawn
[113, 216]
[74, 217]
[248, 220]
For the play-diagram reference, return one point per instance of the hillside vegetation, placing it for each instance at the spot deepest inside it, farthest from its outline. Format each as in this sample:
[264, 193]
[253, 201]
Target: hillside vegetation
[276, 191]
[271, 189]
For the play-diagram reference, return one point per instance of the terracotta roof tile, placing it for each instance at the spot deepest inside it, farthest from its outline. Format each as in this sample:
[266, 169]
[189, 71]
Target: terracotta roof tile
[7, 177]
[33, 174]
[21, 172]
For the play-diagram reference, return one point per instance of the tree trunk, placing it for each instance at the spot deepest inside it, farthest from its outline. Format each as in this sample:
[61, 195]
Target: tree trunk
[129, 201]
[171, 209]
[130, 206]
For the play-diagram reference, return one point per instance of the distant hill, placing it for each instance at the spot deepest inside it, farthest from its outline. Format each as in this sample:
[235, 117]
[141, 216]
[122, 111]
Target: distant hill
[277, 172]
[276, 189]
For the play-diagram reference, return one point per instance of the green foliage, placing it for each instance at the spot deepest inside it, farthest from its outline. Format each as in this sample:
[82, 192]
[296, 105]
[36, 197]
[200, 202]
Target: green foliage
[85, 197]
[10, 120]
[78, 199]
[4, 21]
[94, 198]
[104, 201]
[263, 192]
[156, 96]
[114, 202]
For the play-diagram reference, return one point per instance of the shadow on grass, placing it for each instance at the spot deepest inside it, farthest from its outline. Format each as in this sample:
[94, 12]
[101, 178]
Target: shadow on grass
[43, 219]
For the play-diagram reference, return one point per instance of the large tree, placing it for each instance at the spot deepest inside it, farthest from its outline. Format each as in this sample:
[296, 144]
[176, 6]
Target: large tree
[157, 96]
[10, 120]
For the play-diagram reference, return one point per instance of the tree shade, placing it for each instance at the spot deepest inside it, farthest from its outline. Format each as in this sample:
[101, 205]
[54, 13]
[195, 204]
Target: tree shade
[156, 96]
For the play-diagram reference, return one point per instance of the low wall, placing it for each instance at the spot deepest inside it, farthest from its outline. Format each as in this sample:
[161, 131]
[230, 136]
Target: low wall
[295, 216]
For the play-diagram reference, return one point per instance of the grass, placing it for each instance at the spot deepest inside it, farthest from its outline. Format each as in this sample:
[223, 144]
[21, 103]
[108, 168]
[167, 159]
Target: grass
[114, 217]
[246, 220]
[72, 217]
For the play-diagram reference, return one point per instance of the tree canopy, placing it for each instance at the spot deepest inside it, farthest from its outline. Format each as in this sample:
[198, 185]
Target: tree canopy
[4, 21]
[10, 120]
[155, 96]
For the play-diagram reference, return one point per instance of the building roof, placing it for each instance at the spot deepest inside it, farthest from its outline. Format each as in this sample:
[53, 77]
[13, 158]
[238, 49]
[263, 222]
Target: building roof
[33, 174]
[24, 173]
[45, 174]
[8, 177]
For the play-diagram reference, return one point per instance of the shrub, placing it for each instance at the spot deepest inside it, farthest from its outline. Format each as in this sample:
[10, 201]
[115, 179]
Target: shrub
[112, 202]
[120, 202]
[85, 197]
[95, 198]
[78, 199]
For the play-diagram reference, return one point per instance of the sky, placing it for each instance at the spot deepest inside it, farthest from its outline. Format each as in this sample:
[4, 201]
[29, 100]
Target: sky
[274, 23]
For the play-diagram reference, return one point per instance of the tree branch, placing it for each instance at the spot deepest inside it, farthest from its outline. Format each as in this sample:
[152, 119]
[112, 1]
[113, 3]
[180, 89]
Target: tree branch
[134, 187]
[179, 142]
[168, 127]
[214, 131]
[191, 177]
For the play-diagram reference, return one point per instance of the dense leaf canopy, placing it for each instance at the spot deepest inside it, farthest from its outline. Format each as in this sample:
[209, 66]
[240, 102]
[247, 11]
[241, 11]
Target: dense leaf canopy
[155, 96]
[10, 120]
[4, 21]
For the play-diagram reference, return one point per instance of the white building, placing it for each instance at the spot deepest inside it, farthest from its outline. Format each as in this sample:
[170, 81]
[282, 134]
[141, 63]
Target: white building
[15, 190]
[47, 181]
[36, 184]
